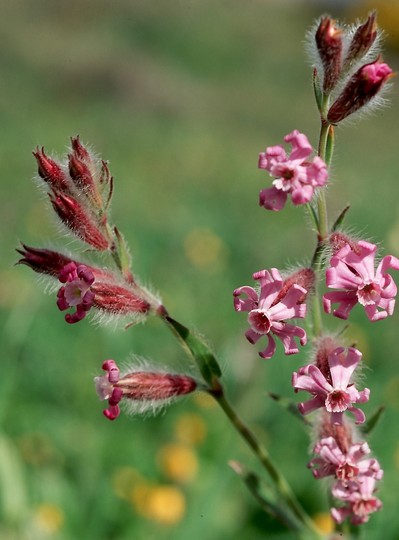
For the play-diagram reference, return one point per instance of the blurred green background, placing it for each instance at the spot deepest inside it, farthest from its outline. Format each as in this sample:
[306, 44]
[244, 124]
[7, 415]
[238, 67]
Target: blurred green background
[180, 97]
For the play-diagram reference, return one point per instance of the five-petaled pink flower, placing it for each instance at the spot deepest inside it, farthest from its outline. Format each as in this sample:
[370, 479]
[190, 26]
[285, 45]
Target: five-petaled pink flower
[293, 174]
[268, 312]
[346, 466]
[353, 270]
[76, 291]
[336, 396]
[359, 498]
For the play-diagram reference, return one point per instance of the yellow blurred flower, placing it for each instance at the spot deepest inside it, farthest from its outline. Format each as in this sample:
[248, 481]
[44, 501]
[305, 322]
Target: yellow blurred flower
[123, 481]
[190, 428]
[324, 522]
[205, 401]
[391, 392]
[178, 462]
[49, 518]
[205, 250]
[164, 504]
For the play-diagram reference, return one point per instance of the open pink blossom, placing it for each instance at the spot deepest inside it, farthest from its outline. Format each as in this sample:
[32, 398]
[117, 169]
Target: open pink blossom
[359, 498]
[354, 272]
[336, 396]
[293, 174]
[76, 292]
[268, 312]
[330, 460]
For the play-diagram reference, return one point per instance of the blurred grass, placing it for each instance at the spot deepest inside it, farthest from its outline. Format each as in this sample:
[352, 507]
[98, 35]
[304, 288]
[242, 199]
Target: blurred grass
[180, 97]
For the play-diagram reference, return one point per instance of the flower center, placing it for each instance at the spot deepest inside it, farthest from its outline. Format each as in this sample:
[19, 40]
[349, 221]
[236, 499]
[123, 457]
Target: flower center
[369, 294]
[347, 471]
[337, 401]
[259, 321]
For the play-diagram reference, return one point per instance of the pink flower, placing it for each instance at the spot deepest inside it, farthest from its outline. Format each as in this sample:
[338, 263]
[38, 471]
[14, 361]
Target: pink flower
[353, 270]
[145, 389]
[360, 90]
[345, 466]
[76, 291]
[359, 498]
[293, 174]
[335, 396]
[268, 313]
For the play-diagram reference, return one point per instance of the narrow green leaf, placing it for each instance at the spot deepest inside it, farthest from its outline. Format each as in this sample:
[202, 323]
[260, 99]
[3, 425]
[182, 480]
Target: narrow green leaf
[372, 421]
[203, 356]
[313, 215]
[265, 496]
[318, 93]
[289, 406]
[340, 218]
[121, 255]
[330, 143]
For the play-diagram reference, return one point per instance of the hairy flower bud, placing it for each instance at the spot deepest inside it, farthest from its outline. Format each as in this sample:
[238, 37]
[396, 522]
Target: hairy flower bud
[361, 88]
[43, 261]
[117, 300]
[305, 278]
[362, 40]
[338, 240]
[78, 220]
[51, 172]
[329, 45]
[144, 389]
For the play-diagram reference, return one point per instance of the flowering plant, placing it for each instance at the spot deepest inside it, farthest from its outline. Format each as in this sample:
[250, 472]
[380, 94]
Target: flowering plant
[349, 77]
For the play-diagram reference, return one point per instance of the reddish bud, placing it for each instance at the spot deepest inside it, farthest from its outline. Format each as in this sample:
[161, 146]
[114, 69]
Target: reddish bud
[338, 240]
[329, 45]
[143, 389]
[362, 40]
[305, 277]
[118, 300]
[78, 220]
[79, 150]
[360, 89]
[81, 174]
[50, 171]
[43, 261]
[342, 433]
[52, 263]
[325, 347]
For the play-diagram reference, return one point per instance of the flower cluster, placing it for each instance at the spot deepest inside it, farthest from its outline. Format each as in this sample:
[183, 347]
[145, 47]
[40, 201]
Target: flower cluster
[80, 191]
[353, 472]
[348, 67]
[348, 75]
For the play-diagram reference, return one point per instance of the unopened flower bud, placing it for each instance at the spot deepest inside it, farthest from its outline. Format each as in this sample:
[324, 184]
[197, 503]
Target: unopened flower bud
[117, 300]
[83, 171]
[46, 261]
[79, 150]
[78, 220]
[325, 346]
[361, 88]
[143, 389]
[50, 171]
[43, 261]
[362, 40]
[338, 240]
[329, 45]
[305, 278]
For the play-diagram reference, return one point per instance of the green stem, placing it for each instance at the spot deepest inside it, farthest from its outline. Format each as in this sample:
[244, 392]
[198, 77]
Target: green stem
[261, 453]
